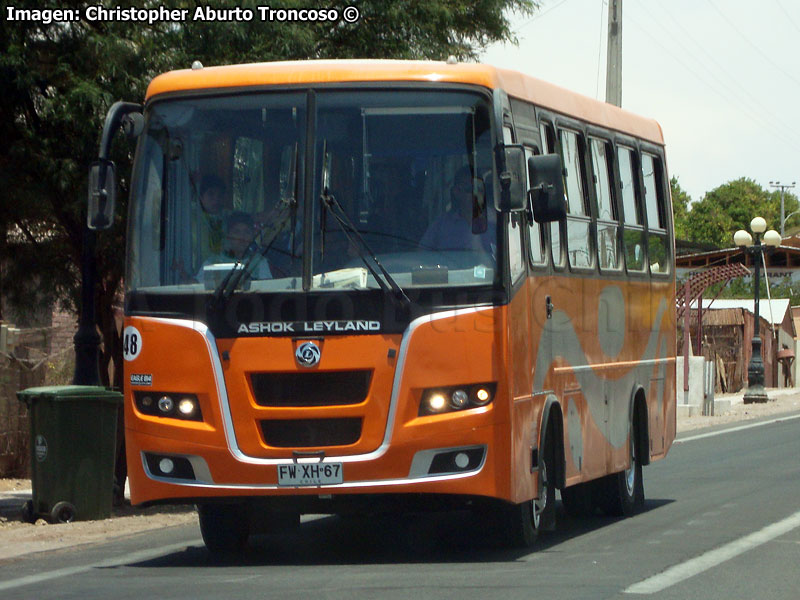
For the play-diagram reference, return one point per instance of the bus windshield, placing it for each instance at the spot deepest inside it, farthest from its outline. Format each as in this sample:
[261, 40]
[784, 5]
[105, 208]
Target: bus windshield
[339, 176]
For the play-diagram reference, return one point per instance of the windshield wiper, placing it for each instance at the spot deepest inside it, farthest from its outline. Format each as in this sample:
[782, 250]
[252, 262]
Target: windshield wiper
[256, 250]
[287, 211]
[387, 282]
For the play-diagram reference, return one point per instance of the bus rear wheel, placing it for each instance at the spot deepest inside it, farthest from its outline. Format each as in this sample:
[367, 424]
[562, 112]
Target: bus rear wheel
[224, 527]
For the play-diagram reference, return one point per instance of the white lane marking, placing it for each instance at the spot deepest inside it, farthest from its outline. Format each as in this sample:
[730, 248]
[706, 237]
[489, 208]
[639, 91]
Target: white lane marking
[111, 562]
[713, 558]
[739, 428]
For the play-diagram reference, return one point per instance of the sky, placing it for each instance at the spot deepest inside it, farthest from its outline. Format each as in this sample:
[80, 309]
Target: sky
[722, 77]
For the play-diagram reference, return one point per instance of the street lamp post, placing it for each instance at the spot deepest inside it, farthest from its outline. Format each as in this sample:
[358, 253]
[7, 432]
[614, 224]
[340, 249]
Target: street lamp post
[786, 218]
[783, 187]
[755, 370]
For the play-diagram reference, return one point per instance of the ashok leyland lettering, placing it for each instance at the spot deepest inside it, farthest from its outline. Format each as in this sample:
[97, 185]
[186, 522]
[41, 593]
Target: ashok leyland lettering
[417, 285]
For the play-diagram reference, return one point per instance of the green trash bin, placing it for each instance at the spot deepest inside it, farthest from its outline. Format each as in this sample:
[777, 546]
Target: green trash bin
[73, 442]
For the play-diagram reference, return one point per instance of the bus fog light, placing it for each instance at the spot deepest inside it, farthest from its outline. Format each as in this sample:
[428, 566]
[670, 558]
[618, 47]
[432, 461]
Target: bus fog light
[186, 406]
[165, 404]
[436, 402]
[459, 399]
[482, 396]
[462, 460]
[166, 465]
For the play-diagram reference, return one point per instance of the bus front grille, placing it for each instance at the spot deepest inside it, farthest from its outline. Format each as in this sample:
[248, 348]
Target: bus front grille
[322, 388]
[309, 433]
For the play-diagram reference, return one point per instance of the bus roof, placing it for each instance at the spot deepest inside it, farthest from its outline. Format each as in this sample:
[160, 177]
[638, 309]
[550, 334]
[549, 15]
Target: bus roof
[516, 84]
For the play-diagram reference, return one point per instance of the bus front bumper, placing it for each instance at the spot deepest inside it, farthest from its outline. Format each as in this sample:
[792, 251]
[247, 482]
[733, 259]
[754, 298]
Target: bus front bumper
[466, 463]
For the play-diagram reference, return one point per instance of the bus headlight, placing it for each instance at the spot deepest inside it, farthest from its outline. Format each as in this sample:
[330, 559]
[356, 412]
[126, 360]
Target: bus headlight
[168, 405]
[456, 398]
[436, 403]
[187, 406]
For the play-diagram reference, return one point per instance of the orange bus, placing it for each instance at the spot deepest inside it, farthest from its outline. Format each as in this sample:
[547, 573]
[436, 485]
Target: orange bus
[359, 286]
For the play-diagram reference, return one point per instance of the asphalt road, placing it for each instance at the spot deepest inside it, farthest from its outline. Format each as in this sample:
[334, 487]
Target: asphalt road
[722, 521]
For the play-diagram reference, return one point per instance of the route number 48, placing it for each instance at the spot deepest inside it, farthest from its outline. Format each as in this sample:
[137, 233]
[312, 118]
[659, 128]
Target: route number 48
[131, 343]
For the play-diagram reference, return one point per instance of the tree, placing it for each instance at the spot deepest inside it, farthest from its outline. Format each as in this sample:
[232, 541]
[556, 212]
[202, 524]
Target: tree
[58, 79]
[680, 209]
[730, 207]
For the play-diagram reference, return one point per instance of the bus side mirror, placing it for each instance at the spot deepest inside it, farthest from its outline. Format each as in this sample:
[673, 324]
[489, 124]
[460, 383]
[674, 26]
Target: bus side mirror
[512, 179]
[547, 188]
[102, 176]
[133, 125]
[102, 194]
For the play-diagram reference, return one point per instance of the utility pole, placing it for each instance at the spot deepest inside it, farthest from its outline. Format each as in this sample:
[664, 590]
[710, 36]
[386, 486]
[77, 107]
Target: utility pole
[783, 187]
[614, 57]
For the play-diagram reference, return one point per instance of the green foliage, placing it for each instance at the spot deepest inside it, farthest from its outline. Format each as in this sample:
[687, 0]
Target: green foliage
[680, 209]
[731, 206]
[57, 81]
[743, 288]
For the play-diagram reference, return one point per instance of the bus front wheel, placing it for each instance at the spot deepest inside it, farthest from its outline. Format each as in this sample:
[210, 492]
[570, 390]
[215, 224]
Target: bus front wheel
[224, 527]
[521, 523]
[622, 494]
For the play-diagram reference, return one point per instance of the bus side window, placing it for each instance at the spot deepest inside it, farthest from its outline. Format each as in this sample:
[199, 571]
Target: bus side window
[657, 242]
[607, 214]
[538, 255]
[578, 220]
[516, 252]
[633, 231]
[556, 243]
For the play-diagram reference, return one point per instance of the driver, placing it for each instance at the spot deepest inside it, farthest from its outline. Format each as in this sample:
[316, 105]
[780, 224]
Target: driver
[463, 226]
[239, 232]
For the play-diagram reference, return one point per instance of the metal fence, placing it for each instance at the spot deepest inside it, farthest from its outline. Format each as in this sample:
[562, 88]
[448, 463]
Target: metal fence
[35, 361]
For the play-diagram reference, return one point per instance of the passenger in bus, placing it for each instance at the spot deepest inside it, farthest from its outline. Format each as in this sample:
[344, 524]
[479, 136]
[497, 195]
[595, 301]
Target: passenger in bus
[207, 228]
[210, 230]
[464, 226]
[240, 232]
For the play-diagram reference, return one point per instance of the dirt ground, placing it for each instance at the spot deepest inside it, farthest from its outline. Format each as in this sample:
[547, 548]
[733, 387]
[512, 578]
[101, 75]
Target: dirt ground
[18, 538]
[781, 402]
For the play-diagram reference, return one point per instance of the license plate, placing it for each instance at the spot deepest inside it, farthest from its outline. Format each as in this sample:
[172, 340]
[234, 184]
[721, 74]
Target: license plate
[301, 474]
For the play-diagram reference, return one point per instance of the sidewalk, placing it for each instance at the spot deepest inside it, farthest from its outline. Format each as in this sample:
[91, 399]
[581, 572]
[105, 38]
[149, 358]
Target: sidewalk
[18, 538]
[730, 408]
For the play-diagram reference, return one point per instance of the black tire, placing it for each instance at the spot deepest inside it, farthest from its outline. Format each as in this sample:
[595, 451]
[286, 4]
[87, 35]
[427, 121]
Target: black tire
[521, 523]
[63, 512]
[622, 494]
[224, 527]
[578, 500]
[28, 514]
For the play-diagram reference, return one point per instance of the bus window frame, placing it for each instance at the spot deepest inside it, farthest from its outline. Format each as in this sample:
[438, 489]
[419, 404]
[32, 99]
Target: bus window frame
[605, 137]
[547, 121]
[526, 128]
[633, 145]
[563, 124]
[514, 282]
[662, 205]
[543, 238]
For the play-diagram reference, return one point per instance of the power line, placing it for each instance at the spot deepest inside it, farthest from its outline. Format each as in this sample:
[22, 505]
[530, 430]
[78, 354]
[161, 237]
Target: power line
[721, 68]
[787, 140]
[788, 16]
[756, 48]
[599, 49]
[754, 108]
[539, 15]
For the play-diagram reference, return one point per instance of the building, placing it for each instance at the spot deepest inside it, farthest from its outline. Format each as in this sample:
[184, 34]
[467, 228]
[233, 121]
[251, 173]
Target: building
[727, 335]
